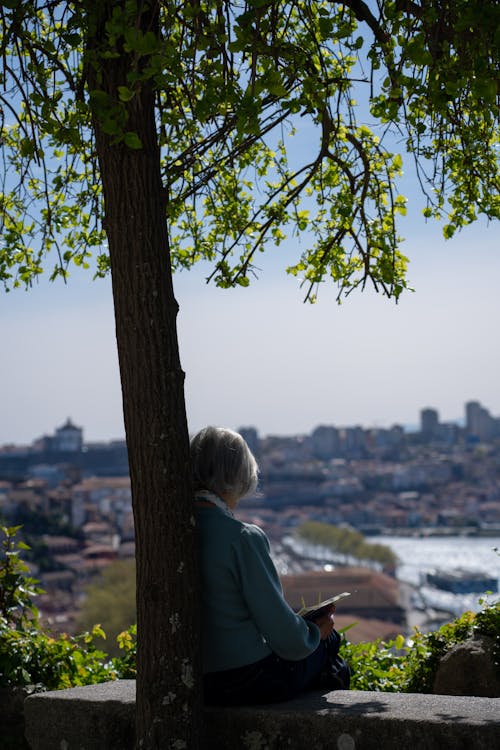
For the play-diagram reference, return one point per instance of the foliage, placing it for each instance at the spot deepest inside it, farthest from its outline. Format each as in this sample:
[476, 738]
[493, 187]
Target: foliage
[17, 589]
[375, 665]
[399, 666]
[125, 665]
[262, 112]
[32, 657]
[345, 542]
[29, 655]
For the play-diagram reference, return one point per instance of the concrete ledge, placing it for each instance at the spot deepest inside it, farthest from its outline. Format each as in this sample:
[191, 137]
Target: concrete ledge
[94, 717]
[101, 717]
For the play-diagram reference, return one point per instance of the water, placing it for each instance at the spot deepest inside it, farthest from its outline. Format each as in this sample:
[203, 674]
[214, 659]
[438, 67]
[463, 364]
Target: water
[417, 556]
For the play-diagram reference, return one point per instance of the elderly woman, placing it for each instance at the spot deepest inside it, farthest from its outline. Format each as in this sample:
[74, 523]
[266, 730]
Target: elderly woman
[255, 648]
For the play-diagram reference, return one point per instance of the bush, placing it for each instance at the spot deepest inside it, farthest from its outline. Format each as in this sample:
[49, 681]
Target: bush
[17, 588]
[31, 656]
[376, 665]
[410, 666]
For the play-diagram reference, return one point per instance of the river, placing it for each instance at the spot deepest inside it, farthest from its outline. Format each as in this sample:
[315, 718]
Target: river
[419, 555]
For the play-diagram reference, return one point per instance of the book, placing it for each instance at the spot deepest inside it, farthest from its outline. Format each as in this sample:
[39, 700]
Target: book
[311, 613]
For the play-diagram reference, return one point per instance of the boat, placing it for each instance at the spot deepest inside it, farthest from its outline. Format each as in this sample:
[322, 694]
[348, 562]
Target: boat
[462, 581]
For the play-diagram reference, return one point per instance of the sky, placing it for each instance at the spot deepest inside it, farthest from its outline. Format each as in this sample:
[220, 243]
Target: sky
[260, 356]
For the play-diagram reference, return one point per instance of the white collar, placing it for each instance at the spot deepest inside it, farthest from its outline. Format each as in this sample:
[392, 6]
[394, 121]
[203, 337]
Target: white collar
[211, 497]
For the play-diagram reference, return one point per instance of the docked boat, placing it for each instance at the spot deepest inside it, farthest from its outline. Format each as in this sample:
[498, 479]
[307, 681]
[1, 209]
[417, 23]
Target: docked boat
[462, 581]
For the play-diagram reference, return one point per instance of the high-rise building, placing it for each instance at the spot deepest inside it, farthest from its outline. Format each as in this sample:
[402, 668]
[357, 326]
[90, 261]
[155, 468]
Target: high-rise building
[429, 423]
[478, 421]
[325, 442]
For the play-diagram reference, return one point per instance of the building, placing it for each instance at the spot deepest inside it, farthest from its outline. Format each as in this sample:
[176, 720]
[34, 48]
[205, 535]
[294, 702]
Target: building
[429, 423]
[374, 595]
[67, 439]
[325, 442]
[479, 424]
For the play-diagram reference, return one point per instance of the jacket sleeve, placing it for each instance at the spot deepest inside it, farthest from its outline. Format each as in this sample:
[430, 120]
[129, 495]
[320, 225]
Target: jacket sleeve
[285, 632]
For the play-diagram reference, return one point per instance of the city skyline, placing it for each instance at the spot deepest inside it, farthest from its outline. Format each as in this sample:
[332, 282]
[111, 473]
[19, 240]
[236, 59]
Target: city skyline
[418, 425]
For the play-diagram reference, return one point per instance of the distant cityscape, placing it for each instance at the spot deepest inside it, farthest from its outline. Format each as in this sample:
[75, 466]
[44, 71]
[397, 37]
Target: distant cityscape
[477, 424]
[74, 498]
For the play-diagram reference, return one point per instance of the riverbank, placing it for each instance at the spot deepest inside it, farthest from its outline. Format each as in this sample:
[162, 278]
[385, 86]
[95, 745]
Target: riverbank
[435, 531]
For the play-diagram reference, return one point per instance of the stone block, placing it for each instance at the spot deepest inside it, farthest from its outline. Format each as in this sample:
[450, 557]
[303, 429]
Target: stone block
[469, 669]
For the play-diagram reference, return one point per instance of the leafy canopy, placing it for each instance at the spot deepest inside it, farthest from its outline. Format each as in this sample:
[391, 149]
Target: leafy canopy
[272, 117]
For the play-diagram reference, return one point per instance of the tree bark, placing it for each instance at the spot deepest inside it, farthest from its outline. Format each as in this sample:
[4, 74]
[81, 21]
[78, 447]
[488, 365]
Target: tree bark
[168, 684]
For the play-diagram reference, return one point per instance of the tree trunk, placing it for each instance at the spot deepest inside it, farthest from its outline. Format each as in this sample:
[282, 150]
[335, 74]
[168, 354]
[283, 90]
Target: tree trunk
[168, 685]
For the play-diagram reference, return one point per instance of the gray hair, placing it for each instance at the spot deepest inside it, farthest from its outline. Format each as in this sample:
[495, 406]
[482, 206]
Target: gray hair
[223, 463]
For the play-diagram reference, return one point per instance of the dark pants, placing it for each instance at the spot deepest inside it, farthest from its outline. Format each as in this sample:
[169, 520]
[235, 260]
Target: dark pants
[274, 679]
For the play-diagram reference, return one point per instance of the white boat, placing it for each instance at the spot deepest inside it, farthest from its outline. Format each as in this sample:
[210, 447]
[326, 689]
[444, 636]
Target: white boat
[462, 581]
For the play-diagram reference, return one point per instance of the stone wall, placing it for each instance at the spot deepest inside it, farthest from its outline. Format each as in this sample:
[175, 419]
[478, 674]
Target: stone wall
[101, 717]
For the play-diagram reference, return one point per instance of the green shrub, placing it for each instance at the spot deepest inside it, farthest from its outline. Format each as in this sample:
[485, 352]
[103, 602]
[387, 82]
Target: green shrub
[31, 656]
[376, 665]
[17, 588]
[125, 665]
[410, 666]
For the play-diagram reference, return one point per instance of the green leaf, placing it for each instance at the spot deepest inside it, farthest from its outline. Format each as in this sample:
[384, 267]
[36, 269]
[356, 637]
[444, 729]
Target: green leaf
[125, 93]
[27, 147]
[132, 140]
[325, 24]
[73, 39]
[98, 632]
[397, 161]
[399, 642]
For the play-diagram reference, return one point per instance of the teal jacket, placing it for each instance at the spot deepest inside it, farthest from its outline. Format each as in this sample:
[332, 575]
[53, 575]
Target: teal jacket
[244, 615]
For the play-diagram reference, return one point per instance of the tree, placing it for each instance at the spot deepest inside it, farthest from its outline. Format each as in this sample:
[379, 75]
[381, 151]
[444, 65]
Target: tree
[347, 542]
[161, 128]
[110, 601]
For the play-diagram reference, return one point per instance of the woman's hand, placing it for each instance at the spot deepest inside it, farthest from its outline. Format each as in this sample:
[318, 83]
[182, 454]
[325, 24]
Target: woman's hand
[326, 623]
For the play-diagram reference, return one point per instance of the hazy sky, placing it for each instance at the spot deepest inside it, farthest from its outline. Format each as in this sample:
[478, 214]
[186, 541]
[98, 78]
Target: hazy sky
[261, 357]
